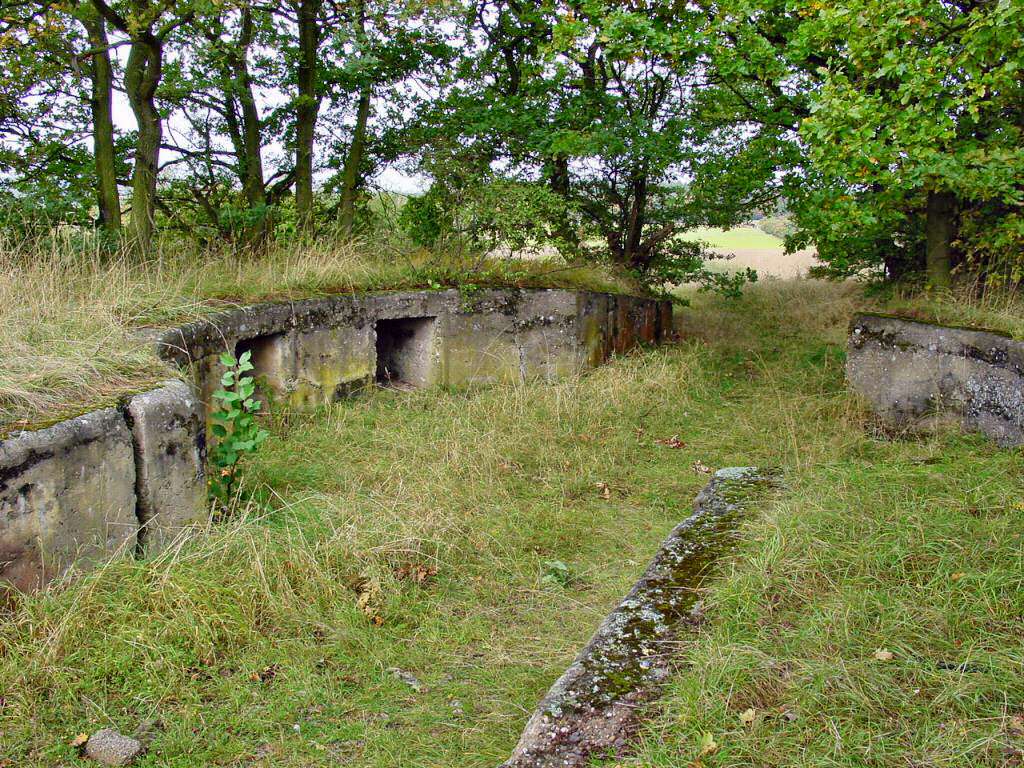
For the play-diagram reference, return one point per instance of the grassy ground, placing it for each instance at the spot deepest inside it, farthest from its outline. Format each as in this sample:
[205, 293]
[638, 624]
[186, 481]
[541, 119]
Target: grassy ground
[270, 640]
[71, 316]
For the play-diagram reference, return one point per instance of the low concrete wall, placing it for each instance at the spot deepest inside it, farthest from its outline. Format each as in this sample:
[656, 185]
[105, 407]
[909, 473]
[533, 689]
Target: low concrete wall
[593, 710]
[67, 496]
[133, 478]
[916, 374]
[309, 353]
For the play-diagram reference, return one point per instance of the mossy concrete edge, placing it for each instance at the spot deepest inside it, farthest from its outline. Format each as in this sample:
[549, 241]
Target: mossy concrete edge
[595, 708]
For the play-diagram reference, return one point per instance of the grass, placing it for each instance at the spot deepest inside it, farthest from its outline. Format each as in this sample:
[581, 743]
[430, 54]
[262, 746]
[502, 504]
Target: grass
[997, 309]
[71, 316]
[270, 639]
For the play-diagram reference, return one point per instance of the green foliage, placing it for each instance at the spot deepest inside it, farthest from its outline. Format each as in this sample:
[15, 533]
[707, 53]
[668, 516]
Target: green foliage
[487, 214]
[595, 128]
[921, 100]
[236, 432]
[556, 574]
[424, 218]
[776, 226]
[684, 261]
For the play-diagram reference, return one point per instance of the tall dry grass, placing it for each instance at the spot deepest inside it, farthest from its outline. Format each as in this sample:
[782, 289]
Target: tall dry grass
[72, 314]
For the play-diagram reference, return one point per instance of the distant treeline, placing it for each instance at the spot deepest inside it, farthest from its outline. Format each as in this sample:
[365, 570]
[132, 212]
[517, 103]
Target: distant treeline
[891, 130]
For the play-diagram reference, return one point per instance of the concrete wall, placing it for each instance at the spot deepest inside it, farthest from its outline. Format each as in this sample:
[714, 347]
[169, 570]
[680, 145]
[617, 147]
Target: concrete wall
[916, 374]
[67, 496]
[309, 353]
[132, 479]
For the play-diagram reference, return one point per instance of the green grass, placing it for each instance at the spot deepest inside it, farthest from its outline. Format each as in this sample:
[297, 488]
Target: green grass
[737, 237]
[292, 613]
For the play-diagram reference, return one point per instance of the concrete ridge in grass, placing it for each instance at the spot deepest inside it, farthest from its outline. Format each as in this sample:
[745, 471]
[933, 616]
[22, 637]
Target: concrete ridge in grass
[594, 708]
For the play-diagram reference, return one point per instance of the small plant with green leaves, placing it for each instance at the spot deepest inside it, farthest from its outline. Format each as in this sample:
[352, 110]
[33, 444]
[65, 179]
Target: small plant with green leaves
[556, 574]
[235, 430]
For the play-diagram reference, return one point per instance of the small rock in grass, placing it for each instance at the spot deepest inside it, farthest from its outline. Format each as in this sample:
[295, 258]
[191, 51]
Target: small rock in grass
[408, 678]
[111, 748]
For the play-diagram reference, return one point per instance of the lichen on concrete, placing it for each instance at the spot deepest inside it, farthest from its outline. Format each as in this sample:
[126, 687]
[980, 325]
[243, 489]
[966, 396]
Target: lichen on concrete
[917, 375]
[593, 709]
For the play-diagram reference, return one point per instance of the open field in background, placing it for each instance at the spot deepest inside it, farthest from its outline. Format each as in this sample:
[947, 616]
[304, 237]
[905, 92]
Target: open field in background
[271, 639]
[753, 248]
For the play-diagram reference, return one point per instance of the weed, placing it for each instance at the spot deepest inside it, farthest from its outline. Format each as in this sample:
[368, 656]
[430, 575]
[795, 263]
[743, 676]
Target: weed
[235, 430]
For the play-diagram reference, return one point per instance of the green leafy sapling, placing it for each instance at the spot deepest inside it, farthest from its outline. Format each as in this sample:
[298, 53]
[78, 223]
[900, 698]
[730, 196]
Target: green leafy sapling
[235, 430]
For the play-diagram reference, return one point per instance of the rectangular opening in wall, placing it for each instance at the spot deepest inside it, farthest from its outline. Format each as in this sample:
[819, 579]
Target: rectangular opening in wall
[267, 359]
[403, 351]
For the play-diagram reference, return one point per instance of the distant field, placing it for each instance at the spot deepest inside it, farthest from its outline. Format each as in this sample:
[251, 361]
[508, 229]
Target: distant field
[737, 237]
[750, 247]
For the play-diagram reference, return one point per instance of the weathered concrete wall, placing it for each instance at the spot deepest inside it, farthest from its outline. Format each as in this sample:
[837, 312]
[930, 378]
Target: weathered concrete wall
[134, 478]
[916, 374]
[169, 438]
[67, 496]
[309, 353]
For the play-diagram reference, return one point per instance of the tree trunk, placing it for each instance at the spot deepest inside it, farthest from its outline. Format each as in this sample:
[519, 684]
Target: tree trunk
[141, 78]
[100, 103]
[940, 227]
[634, 255]
[306, 109]
[350, 176]
[559, 181]
[250, 155]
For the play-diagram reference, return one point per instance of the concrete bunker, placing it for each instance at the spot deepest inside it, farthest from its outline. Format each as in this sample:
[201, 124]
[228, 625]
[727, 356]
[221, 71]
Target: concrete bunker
[404, 351]
[86, 488]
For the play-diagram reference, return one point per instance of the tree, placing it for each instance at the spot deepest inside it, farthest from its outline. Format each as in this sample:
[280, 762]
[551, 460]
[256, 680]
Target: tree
[55, 60]
[572, 95]
[924, 102]
[147, 25]
[212, 86]
[101, 74]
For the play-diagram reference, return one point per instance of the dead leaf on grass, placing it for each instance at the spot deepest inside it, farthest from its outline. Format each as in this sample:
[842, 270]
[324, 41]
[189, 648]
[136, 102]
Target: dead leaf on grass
[266, 674]
[670, 442]
[708, 745]
[883, 654]
[1015, 726]
[604, 490]
[701, 468]
[415, 572]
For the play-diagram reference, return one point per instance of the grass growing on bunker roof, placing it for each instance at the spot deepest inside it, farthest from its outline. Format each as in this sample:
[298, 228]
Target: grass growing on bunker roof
[271, 639]
[71, 316]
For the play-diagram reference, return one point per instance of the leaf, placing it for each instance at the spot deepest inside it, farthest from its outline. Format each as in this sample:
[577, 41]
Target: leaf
[671, 442]
[701, 468]
[883, 654]
[748, 716]
[708, 745]
[604, 490]
[80, 740]
[227, 360]
[1015, 727]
